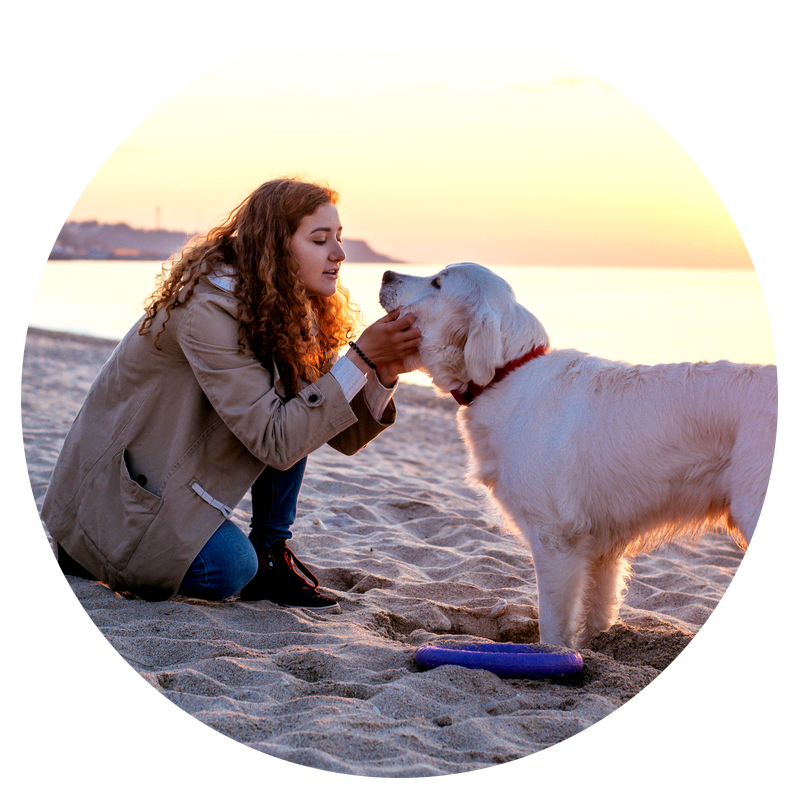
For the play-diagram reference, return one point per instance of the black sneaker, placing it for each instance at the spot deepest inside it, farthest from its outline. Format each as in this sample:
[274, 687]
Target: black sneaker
[283, 579]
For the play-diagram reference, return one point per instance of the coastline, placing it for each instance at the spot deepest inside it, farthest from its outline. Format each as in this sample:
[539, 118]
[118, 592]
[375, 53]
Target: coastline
[78, 338]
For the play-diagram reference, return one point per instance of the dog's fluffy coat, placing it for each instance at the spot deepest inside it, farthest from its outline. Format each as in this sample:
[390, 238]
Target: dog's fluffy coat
[591, 460]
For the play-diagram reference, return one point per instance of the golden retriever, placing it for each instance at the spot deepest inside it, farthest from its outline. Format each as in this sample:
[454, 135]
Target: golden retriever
[591, 460]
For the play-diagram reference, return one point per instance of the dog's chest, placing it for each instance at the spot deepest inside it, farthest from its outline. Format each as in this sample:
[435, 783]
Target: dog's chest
[486, 437]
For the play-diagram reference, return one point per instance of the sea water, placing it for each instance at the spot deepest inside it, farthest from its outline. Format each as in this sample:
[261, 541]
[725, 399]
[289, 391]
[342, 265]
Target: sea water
[635, 314]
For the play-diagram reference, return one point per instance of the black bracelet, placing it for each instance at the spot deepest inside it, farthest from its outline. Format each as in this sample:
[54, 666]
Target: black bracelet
[361, 353]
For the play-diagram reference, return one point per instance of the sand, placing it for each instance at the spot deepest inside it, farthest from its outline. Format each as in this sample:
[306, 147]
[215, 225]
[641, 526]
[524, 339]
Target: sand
[414, 555]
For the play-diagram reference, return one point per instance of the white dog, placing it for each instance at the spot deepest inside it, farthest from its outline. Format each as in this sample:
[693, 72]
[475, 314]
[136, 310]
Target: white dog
[592, 460]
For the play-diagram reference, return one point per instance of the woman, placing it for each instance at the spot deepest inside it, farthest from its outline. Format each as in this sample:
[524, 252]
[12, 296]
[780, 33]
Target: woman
[228, 382]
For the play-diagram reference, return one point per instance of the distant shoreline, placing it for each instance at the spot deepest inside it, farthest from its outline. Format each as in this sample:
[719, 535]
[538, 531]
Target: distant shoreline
[101, 241]
[158, 259]
[85, 338]
[110, 257]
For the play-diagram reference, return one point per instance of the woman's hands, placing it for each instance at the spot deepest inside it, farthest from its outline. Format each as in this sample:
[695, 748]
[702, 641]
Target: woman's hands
[388, 342]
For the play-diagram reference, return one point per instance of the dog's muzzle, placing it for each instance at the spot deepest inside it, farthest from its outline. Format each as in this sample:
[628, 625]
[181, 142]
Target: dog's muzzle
[388, 292]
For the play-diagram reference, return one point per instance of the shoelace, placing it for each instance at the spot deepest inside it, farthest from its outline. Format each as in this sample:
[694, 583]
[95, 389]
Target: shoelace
[293, 561]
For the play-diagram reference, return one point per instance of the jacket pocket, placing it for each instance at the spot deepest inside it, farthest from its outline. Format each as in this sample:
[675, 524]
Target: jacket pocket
[115, 511]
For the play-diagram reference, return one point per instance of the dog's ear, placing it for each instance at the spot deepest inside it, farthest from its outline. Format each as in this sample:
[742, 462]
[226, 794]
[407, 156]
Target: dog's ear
[483, 351]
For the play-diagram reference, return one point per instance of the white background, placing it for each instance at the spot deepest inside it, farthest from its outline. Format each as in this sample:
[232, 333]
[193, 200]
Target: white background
[720, 78]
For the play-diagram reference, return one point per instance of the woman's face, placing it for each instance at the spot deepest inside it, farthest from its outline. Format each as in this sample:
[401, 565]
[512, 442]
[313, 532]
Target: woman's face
[317, 248]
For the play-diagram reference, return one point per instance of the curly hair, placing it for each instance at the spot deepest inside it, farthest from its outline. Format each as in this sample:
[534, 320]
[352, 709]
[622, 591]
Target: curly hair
[276, 317]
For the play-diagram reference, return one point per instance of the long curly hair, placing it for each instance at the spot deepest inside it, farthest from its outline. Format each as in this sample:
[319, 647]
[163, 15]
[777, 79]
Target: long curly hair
[276, 317]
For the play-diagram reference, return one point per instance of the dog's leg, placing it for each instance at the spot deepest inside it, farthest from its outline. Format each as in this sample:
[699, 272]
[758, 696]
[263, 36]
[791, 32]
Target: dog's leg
[747, 498]
[607, 581]
[749, 471]
[744, 514]
[561, 576]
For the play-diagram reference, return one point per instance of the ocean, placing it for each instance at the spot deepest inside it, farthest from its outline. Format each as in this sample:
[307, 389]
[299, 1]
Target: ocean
[635, 314]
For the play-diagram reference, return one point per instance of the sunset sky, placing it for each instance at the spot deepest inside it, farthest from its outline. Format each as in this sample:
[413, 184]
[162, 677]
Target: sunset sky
[502, 160]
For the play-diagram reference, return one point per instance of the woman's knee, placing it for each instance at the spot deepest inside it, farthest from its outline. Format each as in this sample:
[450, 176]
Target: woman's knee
[234, 577]
[226, 564]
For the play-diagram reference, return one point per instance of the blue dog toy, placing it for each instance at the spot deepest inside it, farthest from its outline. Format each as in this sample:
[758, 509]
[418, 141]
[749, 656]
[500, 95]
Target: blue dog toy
[505, 660]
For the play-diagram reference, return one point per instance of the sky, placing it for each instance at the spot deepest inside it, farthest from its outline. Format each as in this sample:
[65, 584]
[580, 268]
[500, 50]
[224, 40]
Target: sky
[515, 159]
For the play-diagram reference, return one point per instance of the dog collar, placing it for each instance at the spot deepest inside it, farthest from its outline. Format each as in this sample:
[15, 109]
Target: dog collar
[466, 396]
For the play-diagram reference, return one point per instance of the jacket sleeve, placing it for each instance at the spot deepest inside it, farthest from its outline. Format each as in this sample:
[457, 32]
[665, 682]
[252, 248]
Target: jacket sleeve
[358, 435]
[241, 391]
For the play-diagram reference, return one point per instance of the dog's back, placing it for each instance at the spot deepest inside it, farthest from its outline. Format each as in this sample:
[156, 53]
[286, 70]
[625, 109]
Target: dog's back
[621, 452]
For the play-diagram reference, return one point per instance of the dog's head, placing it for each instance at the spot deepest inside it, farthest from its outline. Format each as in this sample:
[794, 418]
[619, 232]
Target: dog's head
[470, 321]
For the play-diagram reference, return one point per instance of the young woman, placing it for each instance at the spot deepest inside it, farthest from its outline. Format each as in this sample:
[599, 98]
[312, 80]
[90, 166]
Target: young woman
[228, 382]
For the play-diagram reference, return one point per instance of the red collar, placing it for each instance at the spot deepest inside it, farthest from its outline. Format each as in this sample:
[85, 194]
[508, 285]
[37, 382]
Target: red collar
[465, 397]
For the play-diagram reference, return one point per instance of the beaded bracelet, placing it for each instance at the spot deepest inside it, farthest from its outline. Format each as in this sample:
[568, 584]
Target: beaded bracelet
[361, 353]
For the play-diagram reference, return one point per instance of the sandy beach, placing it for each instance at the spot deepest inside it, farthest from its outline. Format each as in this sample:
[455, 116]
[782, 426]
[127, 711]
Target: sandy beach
[414, 555]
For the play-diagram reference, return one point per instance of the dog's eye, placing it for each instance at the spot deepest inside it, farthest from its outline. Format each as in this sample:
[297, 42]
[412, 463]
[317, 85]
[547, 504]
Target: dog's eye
[436, 283]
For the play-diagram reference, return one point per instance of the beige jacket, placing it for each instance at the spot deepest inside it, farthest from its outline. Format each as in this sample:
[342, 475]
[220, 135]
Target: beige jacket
[169, 440]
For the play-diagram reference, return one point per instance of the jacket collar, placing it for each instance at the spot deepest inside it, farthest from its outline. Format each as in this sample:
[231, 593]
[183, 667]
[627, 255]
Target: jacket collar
[465, 396]
[223, 277]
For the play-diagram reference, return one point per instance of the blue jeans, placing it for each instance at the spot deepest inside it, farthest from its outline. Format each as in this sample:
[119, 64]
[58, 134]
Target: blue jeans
[229, 560]
[226, 564]
[274, 496]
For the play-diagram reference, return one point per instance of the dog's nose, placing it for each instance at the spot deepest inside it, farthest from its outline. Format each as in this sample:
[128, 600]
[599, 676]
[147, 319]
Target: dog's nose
[389, 276]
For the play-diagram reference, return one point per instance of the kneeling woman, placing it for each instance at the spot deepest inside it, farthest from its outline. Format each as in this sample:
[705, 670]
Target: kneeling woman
[228, 382]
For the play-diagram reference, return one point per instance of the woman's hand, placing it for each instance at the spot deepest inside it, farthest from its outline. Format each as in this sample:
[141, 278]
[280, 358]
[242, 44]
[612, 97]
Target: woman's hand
[388, 343]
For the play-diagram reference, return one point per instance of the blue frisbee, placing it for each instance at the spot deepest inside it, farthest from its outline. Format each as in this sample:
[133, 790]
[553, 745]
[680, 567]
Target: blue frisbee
[506, 660]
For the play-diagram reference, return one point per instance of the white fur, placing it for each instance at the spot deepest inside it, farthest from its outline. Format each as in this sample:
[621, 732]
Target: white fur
[591, 460]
